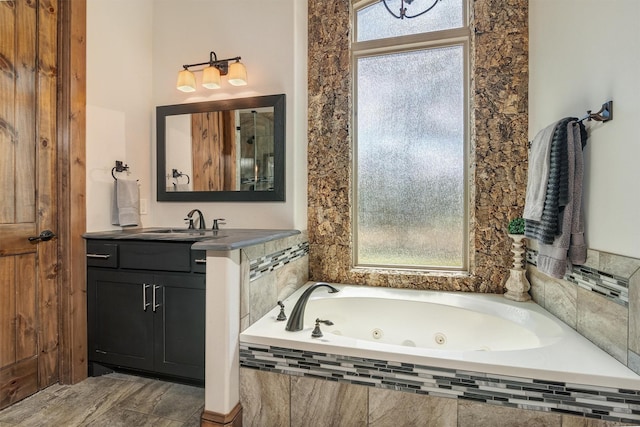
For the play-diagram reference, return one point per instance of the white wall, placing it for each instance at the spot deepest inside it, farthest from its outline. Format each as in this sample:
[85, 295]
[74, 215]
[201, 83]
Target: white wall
[265, 34]
[583, 53]
[152, 39]
[119, 103]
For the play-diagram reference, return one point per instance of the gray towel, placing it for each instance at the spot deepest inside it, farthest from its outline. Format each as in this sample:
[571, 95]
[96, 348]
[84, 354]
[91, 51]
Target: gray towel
[125, 208]
[538, 173]
[549, 226]
[569, 246]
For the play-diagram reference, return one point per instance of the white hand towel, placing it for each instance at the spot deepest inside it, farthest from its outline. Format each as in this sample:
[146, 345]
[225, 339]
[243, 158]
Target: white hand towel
[538, 174]
[126, 203]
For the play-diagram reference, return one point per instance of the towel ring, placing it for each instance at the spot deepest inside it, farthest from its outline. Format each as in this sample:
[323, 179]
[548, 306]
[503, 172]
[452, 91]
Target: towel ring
[119, 167]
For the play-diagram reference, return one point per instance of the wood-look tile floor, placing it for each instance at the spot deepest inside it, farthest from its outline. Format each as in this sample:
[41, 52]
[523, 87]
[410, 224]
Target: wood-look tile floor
[110, 401]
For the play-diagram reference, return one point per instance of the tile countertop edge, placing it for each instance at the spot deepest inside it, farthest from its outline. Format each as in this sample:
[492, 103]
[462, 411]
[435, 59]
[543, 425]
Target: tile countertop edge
[232, 238]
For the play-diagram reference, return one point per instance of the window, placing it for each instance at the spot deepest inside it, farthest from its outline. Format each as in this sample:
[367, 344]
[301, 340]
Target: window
[410, 87]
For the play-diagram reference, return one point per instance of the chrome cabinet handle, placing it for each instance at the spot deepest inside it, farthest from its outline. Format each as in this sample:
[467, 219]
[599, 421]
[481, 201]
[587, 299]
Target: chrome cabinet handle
[101, 256]
[200, 260]
[155, 306]
[145, 304]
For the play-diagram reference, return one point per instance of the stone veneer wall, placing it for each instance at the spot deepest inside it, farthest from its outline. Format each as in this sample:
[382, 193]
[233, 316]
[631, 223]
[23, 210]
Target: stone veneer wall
[499, 76]
[271, 272]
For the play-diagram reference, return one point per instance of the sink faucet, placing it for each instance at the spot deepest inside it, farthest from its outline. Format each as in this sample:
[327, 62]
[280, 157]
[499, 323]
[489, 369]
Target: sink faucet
[296, 319]
[201, 224]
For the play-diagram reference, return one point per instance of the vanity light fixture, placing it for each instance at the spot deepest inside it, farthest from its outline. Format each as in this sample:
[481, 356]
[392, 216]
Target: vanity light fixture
[236, 71]
[403, 10]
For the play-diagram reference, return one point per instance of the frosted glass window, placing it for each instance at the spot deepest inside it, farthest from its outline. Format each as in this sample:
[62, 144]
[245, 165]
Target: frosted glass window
[410, 159]
[375, 22]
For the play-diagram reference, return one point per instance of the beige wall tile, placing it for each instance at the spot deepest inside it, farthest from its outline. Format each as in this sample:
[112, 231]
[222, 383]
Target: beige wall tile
[245, 293]
[569, 421]
[634, 312]
[327, 403]
[388, 408]
[558, 296]
[472, 414]
[291, 277]
[604, 322]
[537, 285]
[265, 398]
[264, 295]
[633, 361]
[619, 265]
[255, 251]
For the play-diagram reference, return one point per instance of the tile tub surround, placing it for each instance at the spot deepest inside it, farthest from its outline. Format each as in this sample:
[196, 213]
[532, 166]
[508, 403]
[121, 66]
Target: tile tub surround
[428, 386]
[601, 300]
[540, 379]
[270, 273]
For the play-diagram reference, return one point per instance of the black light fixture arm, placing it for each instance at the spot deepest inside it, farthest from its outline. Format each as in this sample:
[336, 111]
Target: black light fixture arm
[403, 10]
[220, 64]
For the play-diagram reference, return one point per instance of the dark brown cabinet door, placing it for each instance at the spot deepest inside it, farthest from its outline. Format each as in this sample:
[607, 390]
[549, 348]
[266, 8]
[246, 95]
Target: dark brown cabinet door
[179, 325]
[120, 318]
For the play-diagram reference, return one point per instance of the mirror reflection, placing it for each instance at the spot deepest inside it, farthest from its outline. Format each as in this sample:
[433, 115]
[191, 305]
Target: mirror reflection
[222, 150]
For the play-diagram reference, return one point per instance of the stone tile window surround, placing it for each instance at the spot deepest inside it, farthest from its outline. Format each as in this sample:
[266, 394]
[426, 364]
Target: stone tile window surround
[498, 135]
[600, 300]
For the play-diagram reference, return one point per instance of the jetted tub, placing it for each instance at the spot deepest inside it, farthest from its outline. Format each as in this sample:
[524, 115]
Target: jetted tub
[480, 333]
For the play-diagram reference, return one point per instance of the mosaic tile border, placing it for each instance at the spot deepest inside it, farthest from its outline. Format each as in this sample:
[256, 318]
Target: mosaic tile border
[607, 285]
[603, 403]
[268, 263]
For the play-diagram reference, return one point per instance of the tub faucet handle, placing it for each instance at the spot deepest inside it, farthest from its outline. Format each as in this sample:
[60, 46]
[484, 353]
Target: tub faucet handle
[281, 315]
[317, 333]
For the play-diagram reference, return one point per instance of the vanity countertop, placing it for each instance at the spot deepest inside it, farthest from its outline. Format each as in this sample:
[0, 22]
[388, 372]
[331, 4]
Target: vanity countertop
[226, 239]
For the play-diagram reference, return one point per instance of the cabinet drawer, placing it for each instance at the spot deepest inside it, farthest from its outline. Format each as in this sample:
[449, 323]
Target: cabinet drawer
[102, 254]
[199, 261]
[162, 256]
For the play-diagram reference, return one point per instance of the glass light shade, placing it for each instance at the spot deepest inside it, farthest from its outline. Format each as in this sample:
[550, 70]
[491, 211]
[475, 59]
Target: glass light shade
[211, 77]
[186, 81]
[237, 74]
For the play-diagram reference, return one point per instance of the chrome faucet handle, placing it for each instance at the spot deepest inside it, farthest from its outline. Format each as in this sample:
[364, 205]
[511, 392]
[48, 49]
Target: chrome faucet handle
[281, 315]
[216, 224]
[317, 333]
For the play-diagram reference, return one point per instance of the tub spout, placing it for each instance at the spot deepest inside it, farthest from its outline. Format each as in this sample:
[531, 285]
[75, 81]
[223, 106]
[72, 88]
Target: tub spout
[296, 319]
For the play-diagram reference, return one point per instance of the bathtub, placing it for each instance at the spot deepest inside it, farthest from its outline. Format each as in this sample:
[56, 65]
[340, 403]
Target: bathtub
[457, 333]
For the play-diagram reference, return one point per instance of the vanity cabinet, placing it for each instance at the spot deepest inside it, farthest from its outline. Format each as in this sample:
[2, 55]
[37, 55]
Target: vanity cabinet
[146, 306]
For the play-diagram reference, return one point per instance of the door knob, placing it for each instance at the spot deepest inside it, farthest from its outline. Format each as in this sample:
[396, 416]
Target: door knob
[43, 237]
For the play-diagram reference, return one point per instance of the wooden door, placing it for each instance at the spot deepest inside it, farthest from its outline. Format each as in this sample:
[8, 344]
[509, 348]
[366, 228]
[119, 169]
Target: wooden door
[28, 199]
[213, 151]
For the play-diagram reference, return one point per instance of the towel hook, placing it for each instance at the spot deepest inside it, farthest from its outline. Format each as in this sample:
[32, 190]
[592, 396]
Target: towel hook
[119, 167]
